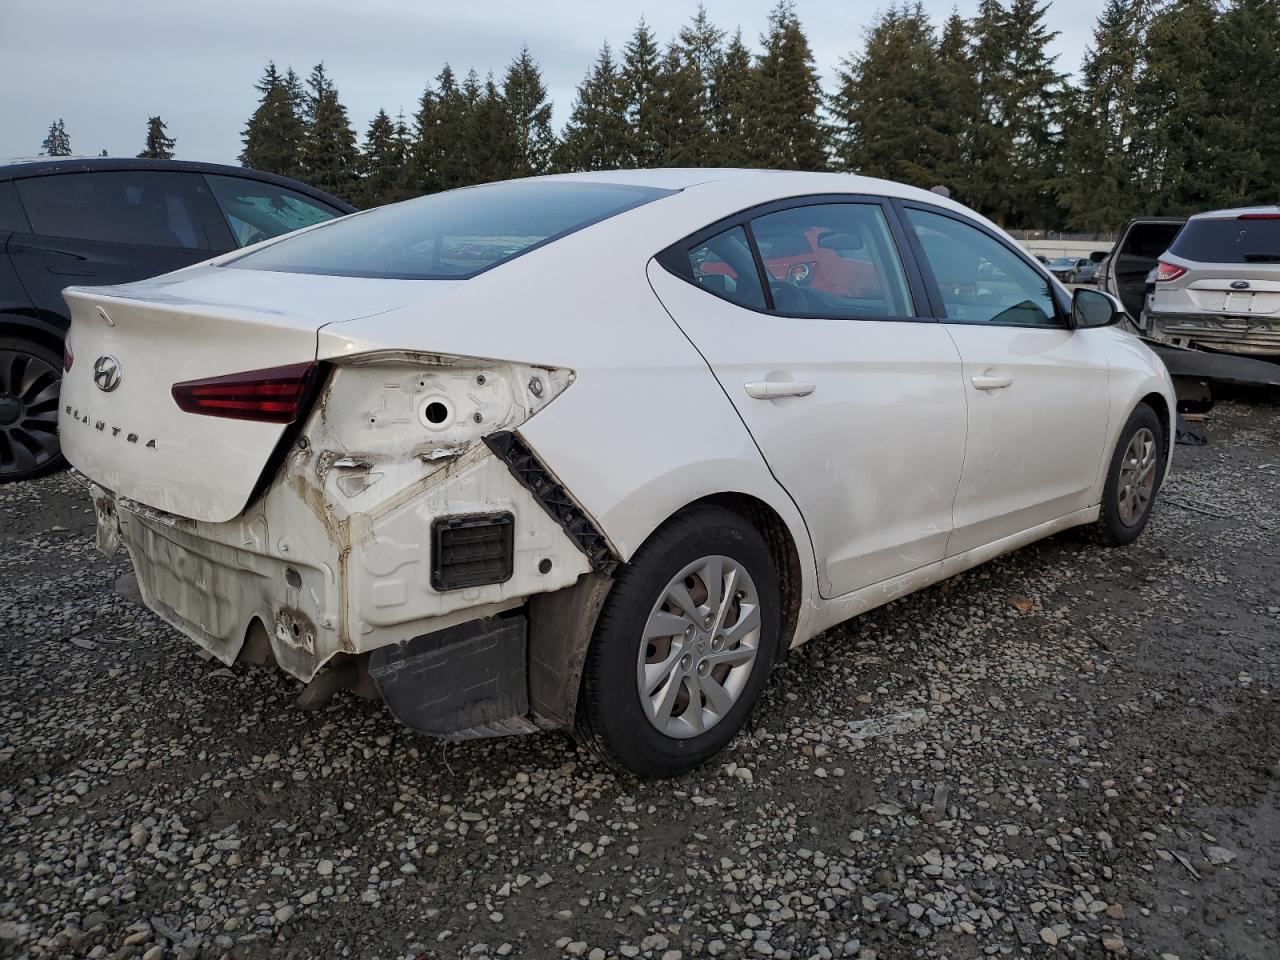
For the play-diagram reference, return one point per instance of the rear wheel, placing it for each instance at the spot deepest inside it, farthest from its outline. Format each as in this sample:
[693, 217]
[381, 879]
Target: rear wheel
[1133, 478]
[683, 646]
[30, 378]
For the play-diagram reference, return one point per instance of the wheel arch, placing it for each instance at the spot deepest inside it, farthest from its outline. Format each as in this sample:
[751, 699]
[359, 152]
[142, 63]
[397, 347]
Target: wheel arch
[782, 547]
[1158, 403]
[44, 330]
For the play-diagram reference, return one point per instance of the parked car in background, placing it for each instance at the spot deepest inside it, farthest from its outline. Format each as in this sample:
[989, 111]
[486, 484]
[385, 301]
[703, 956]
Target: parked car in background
[588, 452]
[108, 221]
[1067, 269]
[1218, 284]
[1086, 272]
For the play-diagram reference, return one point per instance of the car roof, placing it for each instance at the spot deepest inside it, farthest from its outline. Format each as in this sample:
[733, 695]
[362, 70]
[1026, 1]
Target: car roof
[1235, 212]
[48, 166]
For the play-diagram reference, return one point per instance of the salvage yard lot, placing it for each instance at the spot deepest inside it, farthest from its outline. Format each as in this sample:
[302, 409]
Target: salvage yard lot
[1070, 746]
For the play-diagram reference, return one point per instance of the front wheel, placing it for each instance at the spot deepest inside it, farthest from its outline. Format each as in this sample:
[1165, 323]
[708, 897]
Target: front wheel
[30, 379]
[683, 646]
[1133, 478]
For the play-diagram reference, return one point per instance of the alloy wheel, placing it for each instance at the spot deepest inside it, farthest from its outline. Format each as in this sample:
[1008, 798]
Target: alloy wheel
[698, 647]
[28, 412]
[1137, 477]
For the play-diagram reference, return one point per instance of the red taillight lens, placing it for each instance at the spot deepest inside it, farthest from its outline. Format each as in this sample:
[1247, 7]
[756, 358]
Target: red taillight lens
[68, 358]
[1168, 271]
[273, 395]
[1259, 216]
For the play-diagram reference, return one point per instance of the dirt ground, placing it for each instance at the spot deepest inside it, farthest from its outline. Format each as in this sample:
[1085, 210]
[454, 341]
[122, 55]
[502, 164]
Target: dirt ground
[1071, 751]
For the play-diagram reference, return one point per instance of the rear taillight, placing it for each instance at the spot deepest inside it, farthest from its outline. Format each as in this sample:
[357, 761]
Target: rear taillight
[68, 358]
[1168, 271]
[274, 395]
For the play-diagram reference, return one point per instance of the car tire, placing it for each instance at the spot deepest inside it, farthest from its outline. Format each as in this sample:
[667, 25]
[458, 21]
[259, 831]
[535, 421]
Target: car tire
[30, 378]
[1126, 500]
[663, 734]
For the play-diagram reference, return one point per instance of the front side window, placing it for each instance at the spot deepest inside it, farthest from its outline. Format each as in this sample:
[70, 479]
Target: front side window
[833, 260]
[258, 211]
[724, 266]
[979, 279]
[452, 235]
[118, 206]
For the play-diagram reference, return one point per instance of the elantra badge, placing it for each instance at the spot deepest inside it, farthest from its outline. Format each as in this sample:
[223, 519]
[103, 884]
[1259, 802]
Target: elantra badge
[106, 373]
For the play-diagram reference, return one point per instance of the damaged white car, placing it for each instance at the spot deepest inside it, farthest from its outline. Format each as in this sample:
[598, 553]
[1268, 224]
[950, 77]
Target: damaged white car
[592, 452]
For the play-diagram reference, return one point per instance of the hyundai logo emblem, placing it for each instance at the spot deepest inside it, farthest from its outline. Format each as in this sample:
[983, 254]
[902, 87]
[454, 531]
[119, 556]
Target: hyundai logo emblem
[1239, 284]
[106, 373]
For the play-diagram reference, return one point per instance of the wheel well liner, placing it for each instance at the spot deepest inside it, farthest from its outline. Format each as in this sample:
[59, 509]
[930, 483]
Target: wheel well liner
[1161, 406]
[782, 547]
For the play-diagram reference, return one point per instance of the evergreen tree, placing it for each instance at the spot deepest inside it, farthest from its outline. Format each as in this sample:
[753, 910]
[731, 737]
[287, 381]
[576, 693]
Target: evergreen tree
[788, 132]
[734, 113]
[596, 135]
[489, 141]
[57, 143]
[329, 157]
[382, 162]
[701, 44]
[680, 129]
[1243, 125]
[438, 155]
[960, 106]
[159, 143]
[529, 117]
[889, 107]
[640, 80]
[273, 136]
[1100, 121]
[1015, 142]
[1173, 156]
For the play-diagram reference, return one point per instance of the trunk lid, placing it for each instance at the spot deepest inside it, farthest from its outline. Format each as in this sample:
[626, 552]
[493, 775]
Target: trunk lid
[131, 437]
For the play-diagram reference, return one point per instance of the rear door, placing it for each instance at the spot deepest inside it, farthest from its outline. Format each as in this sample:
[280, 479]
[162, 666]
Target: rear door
[256, 210]
[105, 227]
[809, 318]
[1038, 399]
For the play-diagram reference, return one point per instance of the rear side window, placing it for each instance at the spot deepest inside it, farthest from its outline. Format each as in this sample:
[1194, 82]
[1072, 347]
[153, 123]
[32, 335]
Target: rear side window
[1251, 240]
[257, 211]
[724, 266]
[142, 207]
[452, 235]
[978, 278]
[833, 260]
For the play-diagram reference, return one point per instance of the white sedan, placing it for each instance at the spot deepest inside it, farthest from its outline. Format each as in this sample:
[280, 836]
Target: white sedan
[591, 452]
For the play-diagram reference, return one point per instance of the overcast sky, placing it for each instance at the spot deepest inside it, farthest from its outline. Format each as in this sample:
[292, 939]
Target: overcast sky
[106, 67]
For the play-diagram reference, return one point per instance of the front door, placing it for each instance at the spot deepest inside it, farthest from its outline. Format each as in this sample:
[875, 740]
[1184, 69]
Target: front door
[856, 404]
[1038, 390]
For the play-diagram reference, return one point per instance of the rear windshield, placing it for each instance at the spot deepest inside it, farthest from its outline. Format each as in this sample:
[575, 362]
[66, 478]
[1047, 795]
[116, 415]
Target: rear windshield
[452, 235]
[1229, 241]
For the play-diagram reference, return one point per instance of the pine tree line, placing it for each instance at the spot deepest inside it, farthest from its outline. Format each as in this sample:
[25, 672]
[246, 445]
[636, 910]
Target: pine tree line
[159, 145]
[1174, 110]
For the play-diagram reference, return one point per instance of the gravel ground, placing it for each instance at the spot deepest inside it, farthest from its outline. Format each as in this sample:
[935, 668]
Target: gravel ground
[1071, 751]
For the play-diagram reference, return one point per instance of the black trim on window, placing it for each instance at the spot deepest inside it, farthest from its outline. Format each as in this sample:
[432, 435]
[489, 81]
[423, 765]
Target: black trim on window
[675, 258]
[1062, 303]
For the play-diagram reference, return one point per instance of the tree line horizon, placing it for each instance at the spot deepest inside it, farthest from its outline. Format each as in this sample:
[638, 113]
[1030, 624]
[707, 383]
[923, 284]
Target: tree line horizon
[1175, 109]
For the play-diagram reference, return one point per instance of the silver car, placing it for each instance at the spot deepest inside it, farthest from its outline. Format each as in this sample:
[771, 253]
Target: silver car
[1218, 285]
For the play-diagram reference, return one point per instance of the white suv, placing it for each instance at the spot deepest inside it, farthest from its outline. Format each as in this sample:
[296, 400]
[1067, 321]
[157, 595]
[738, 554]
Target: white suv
[1218, 286]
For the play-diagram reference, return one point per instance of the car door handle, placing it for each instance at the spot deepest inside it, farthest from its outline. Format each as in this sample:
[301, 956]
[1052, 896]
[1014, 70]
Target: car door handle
[772, 389]
[991, 383]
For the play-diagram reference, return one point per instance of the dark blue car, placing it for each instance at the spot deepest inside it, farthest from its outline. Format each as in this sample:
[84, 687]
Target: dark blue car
[106, 221]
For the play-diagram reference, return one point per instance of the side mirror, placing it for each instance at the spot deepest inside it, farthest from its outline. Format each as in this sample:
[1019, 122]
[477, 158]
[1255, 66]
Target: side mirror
[1093, 308]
